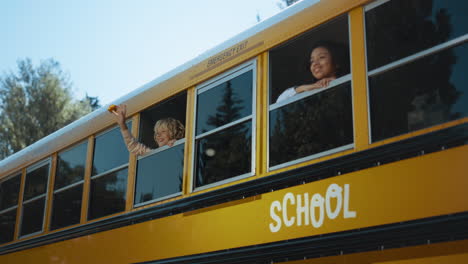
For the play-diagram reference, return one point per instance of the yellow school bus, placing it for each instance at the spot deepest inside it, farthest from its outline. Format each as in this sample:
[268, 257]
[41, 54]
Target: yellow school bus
[366, 164]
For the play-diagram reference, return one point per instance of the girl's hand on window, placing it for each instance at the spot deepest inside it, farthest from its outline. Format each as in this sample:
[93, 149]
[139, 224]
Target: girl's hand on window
[171, 142]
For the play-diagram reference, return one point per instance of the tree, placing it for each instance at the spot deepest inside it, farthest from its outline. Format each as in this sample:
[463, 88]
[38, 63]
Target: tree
[285, 3]
[35, 102]
[92, 101]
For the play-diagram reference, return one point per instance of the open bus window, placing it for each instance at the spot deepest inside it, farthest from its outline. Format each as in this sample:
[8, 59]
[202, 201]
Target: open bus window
[159, 173]
[68, 186]
[310, 112]
[419, 82]
[109, 175]
[9, 193]
[34, 198]
[224, 127]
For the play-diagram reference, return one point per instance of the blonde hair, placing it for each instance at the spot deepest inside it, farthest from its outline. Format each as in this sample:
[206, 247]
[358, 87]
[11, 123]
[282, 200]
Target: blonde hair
[175, 128]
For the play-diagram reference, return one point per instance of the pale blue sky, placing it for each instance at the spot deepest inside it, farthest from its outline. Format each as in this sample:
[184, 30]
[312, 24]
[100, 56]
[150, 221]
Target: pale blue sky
[111, 47]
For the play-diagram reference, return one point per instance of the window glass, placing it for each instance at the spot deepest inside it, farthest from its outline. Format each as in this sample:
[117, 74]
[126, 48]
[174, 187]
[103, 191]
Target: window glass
[7, 226]
[225, 103]
[9, 192]
[33, 217]
[224, 155]
[36, 182]
[160, 174]
[108, 194]
[399, 28]
[312, 125]
[71, 166]
[35, 192]
[290, 63]
[109, 151]
[67, 207]
[425, 92]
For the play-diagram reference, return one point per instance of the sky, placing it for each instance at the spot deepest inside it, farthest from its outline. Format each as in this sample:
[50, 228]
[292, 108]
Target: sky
[111, 47]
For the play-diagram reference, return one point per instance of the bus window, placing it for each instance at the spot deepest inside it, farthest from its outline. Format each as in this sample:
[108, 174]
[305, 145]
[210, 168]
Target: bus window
[159, 173]
[108, 194]
[420, 81]
[224, 130]
[34, 198]
[109, 176]
[109, 151]
[68, 186]
[399, 28]
[9, 193]
[310, 112]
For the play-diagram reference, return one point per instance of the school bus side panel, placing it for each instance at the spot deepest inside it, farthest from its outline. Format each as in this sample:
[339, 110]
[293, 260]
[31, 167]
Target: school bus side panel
[415, 188]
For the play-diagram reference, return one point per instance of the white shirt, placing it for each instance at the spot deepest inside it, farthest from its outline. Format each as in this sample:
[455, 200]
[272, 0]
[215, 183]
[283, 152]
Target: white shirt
[290, 92]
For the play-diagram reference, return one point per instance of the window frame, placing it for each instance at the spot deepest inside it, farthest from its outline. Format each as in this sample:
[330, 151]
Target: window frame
[128, 123]
[56, 169]
[102, 174]
[47, 161]
[339, 81]
[11, 176]
[398, 63]
[69, 186]
[14, 207]
[251, 65]
[151, 153]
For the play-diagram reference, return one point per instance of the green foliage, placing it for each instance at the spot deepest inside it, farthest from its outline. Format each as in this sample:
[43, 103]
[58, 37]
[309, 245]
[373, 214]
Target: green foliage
[285, 3]
[35, 102]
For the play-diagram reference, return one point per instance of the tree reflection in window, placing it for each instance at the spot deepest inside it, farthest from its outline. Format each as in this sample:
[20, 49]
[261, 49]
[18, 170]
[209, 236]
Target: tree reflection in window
[312, 125]
[429, 90]
[226, 153]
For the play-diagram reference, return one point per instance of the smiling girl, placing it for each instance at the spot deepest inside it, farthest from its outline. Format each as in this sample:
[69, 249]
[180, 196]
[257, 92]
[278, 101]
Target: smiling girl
[166, 131]
[325, 65]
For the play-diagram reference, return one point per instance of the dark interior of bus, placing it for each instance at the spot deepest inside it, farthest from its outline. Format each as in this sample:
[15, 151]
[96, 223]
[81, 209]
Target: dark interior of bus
[289, 61]
[173, 107]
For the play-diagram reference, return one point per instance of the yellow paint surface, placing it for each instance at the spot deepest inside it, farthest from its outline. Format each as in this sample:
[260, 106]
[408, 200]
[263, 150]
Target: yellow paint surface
[425, 186]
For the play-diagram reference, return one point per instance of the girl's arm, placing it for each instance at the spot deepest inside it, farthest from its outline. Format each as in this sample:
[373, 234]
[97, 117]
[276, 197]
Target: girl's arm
[132, 144]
